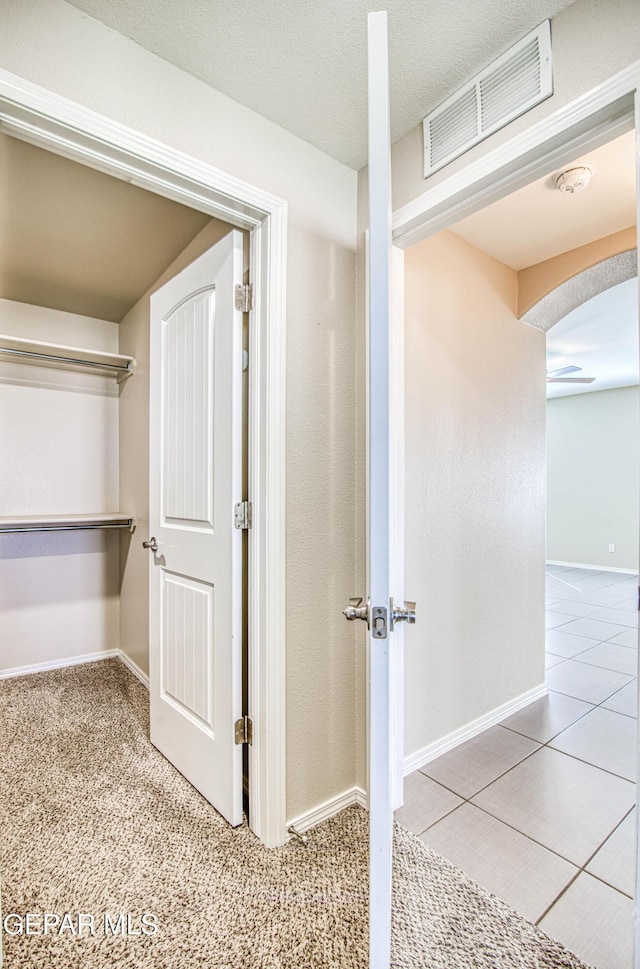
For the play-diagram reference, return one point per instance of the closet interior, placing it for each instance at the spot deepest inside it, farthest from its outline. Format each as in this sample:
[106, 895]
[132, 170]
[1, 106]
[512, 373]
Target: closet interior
[80, 254]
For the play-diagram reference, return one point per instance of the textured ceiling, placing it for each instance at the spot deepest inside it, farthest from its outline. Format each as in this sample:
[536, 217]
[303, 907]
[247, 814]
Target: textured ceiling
[538, 222]
[601, 336]
[303, 64]
[78, 240]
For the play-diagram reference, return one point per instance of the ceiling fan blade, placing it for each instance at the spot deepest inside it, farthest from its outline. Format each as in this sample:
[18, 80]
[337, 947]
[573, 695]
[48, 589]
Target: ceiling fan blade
[562, 371]
[570, 380]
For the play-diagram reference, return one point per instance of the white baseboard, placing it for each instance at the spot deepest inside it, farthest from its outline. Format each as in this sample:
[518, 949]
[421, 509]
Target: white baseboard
[451, 740]
[355, 795]
[57, 664]
[135, 669]
[594, 568]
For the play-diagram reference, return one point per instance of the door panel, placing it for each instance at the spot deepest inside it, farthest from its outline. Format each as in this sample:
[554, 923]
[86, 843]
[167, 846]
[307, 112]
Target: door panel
[186, 677]
[188, 336]
[195, 480]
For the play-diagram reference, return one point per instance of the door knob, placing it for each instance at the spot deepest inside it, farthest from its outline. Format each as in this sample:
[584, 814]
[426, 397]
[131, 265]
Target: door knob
[357, 611]
[374, 616]
[152, 544]
[405, 613]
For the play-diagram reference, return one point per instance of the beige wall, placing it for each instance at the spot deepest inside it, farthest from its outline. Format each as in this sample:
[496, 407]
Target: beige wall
[59, 447]
[538, 281]
[592, 478]
[474, 556]
[591, 41]
[106, 72]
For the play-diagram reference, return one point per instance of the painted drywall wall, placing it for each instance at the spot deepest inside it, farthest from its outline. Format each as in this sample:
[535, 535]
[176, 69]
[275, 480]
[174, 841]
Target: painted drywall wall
[134, 457]
[59, 446]
[54, 45]
[592, 478]
[536, 282]
[591, 41]
[474, 479]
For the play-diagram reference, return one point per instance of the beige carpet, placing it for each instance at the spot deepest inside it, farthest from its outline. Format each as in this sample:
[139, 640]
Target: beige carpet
[94, 820]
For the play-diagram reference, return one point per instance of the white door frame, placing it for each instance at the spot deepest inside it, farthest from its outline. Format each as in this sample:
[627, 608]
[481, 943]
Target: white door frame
[380, 643]
[36, 115]
[608, 110]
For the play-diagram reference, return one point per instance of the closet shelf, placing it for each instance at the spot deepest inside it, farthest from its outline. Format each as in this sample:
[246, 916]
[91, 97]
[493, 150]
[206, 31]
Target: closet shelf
[117, 364]
[64, 523]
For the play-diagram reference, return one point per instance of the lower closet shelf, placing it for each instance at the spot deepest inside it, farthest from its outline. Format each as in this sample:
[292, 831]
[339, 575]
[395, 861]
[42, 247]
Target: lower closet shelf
[64, 523]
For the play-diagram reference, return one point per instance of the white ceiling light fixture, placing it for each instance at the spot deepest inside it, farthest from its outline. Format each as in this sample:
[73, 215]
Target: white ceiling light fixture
[574, 179]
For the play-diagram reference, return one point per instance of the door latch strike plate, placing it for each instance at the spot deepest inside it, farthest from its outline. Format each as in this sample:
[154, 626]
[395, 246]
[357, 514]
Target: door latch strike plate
[378, 622]
[244, 731]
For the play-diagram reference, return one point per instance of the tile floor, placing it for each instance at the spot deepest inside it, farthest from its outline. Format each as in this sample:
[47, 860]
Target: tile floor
[540, 808]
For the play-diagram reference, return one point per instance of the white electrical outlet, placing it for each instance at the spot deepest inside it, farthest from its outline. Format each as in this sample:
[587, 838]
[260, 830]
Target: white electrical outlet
[612, 548]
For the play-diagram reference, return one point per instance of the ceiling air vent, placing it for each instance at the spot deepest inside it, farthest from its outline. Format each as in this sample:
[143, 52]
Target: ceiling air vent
[503, 91]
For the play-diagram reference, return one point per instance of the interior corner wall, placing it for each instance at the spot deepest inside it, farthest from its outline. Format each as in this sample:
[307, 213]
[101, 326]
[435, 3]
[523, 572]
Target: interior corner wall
[59, 446]
[474, 490]
[592, 478]
[54, 45]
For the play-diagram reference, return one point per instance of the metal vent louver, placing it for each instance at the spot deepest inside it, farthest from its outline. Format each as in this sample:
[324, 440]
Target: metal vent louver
[514, 83]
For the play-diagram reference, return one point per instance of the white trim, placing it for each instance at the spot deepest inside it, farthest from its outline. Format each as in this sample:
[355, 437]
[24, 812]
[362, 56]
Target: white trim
[590, 120]
[396, 514]
[379, 728]
[133, 668]
[326, 810]
[451, 740]
[596, 568]
[34, 114]
[58, 664]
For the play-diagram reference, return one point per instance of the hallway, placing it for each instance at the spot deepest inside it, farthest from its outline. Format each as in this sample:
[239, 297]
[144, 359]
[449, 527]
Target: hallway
[539, 808]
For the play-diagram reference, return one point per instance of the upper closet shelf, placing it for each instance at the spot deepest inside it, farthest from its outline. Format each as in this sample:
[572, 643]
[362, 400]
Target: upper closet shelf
[56, 354]
[64, 523]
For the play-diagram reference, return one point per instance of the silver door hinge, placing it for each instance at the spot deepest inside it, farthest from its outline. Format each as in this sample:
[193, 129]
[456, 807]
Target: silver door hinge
[244, 731]
[242, 514]
[244, 297]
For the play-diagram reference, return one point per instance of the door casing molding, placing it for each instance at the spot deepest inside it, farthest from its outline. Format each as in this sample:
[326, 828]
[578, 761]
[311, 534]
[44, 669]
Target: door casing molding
[34, 114]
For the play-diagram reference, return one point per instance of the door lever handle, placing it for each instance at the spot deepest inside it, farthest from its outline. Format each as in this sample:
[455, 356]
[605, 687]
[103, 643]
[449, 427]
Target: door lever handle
[152, 544]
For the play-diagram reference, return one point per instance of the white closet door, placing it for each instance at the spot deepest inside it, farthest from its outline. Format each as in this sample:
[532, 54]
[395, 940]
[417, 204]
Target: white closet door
[195, 647]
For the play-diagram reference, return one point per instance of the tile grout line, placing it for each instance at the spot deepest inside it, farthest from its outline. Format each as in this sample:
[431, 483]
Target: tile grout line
[583, 870]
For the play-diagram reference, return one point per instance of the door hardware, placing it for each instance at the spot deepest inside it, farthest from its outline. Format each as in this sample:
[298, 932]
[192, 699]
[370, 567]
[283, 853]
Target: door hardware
[152, 544]
[356, 611]
[243, 730]
[242, 514]
[374, 616]
[405, 613]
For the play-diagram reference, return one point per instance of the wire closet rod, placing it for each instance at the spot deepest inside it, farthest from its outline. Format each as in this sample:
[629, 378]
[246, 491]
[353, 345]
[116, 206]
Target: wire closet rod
[60, 528]
[57, 359]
